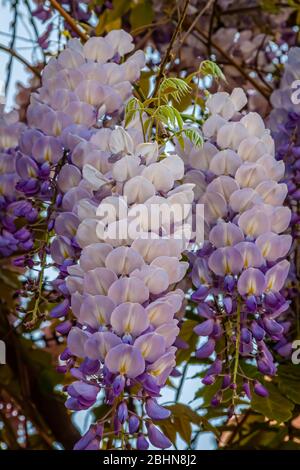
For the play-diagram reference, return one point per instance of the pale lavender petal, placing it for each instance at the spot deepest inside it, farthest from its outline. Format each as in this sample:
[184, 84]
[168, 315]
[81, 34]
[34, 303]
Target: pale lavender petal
[129, 318]
[276, 276]
[151, 345]
[100, 343]
[251, 282]
[126, 360]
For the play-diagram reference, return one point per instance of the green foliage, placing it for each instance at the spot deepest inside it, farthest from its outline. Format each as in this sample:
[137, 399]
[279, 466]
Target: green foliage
[174, 87]
[181, 423]
[141, 14]
[169, 116]
[275, 406]
[133, 106]
[192, 135]
[187, 334]
[289, 381]
[207, 67]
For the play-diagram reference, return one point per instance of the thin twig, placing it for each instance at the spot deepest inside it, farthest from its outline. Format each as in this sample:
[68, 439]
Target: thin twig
[170, 47]
[32, 22]
[184, 372]
[21, 38]
[201, 12]
[71, 22]
[237, 428]
[203, 38]
[21, 59]
[12, 43]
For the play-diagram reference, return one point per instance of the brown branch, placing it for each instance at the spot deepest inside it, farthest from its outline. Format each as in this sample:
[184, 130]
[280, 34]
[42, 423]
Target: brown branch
[203, 38]
[170, 47]
[238, 427]
[195, 21]
[12, 42]
[71, 22]
[39, 404]
[20, 59]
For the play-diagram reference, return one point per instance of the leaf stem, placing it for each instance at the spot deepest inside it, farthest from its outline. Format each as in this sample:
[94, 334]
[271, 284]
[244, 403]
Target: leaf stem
[170, 47]
[237, 341]
[21, 59]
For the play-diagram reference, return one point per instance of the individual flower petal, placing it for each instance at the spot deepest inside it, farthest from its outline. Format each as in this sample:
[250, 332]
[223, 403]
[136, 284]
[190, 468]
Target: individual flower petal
[251, 255]
[76, 341]
[98, 281]
[98, 49]
[128, 290]
[99, 344]
[129, 318]
[156, 411]
[157, 438]
[251, 282]
[225, 261]
[151, 345]
[276, 276]
[96, 310]
[225, 234]
[126, 360]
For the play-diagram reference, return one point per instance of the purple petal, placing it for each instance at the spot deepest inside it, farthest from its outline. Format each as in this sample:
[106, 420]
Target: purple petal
[155, 411]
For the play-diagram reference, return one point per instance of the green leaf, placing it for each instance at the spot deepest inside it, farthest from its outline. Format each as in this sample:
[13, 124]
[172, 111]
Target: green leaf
[194, 137]
[141, 14]
[289, 381]
[181, 418]
[169, 116]
[132, 107]
[275, 406]
[181, 409]
[175, 87]
[168, 428]
[207, 67]
[188, 335]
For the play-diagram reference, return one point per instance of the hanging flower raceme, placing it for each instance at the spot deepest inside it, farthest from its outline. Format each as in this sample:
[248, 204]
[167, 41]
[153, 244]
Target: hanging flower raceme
[83, 89]
[240, 271]
[12, 238]
[284, 121]
[122, 291]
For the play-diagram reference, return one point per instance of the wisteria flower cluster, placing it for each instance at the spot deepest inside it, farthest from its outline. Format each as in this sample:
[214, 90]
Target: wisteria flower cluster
[284, 121]
[11, 238]
[73, 157]
[240, 271]
[80, 183]
[284, 124]
[84, 89]
[121, 291]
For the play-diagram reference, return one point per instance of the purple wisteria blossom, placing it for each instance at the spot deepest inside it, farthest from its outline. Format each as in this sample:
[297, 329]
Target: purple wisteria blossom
[77, 157]
[122, 289]
[240, 271]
